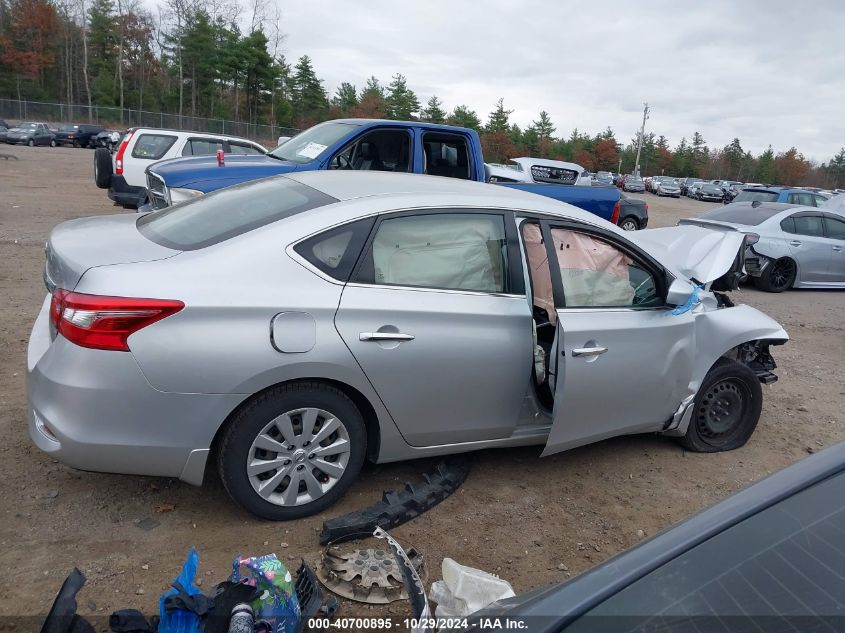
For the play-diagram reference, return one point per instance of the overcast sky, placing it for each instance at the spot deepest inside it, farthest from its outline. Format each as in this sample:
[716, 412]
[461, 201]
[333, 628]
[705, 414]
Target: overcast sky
[766, 71]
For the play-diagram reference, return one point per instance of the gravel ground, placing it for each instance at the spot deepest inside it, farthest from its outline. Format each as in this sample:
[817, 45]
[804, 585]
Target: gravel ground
[532, 521]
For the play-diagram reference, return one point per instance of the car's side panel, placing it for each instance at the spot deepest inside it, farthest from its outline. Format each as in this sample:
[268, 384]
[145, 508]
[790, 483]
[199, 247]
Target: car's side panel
[461, 378]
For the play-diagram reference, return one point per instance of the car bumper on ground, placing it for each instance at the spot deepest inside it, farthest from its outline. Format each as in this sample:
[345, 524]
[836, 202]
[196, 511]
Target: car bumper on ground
[108, 418]
[125, 194]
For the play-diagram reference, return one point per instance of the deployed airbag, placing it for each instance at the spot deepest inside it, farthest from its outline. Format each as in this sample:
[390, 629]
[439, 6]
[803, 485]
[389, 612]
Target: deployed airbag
[465, 252]
[593, 272]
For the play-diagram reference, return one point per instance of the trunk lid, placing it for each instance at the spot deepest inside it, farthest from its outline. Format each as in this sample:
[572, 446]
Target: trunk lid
[78, 245]
[712, 255]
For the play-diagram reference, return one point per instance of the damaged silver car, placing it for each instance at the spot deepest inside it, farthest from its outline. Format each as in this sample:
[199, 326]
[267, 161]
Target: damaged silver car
[285, 330]
[787, 245]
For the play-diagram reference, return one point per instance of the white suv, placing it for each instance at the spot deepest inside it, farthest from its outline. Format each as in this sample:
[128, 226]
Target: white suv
[124, 177]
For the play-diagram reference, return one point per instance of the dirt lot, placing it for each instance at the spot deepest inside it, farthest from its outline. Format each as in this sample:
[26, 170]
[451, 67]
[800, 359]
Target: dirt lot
[516, 514]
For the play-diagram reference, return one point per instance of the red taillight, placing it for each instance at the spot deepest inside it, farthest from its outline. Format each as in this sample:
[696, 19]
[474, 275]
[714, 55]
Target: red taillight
[617, 209]
[646, 207]
[105, 322]
[118, 160]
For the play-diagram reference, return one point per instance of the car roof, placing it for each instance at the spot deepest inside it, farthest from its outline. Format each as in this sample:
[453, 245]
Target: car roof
[153, 130]
[380, 122]
[776, 188]
[527, 161]
[418, 190]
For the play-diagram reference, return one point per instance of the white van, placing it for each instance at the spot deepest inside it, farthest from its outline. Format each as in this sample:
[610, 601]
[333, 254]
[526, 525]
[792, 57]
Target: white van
[124, 175]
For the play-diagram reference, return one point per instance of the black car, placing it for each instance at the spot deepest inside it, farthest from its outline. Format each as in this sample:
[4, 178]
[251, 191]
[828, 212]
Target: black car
[77, 134]
[709, 191]
[633, 213]
[768, 558]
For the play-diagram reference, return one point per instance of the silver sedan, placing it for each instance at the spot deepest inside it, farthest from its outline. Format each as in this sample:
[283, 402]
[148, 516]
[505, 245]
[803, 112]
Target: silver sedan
[287, 329]
[788, 246]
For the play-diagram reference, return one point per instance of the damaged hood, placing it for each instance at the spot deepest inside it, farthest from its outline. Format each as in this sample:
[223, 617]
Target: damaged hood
[698, 253]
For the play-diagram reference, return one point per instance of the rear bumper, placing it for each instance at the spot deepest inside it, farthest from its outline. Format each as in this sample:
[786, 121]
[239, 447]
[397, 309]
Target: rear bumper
[123, 193]
[94, 410]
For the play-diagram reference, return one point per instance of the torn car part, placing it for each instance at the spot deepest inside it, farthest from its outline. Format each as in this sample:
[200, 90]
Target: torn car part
[414, 586]
[365, 575]
[62, 617]
[394, 509]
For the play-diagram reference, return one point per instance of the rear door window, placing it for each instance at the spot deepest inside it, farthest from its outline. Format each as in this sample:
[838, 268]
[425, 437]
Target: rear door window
[835, 227]
[152, 146]
[202, 147]
[810, 225]
[243, 148]
[446, 155]
[804, 199]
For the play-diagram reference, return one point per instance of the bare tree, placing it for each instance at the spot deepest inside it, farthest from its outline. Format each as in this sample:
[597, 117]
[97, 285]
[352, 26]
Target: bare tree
[84, 15]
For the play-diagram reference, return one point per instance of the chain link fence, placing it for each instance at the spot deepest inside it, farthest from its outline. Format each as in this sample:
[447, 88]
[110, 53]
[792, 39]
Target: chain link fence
[122, 118]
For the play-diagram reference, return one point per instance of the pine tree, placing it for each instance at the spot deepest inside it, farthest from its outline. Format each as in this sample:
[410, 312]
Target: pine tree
[402, 103]
[462, 116]
[498, 120]
[543, 126]
[345, 98]
[309, 97]
[433, 111]
[766, 167]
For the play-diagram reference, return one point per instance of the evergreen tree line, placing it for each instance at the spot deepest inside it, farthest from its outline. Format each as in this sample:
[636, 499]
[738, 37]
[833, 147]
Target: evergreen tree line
[192, 58]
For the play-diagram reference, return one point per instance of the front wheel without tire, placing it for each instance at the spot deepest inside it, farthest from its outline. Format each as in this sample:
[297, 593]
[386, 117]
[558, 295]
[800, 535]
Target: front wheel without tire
[726, 409]
[292, 451]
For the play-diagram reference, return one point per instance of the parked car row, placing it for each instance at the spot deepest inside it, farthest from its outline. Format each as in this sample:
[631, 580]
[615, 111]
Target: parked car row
[34, 133]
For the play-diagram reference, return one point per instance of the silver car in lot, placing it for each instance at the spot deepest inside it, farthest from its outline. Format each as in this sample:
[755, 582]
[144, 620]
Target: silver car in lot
[285, 330]
[788, 246]
[668, 188]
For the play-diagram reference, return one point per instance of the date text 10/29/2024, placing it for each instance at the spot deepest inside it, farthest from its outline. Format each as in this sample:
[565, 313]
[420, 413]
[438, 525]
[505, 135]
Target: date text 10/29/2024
[410, 624]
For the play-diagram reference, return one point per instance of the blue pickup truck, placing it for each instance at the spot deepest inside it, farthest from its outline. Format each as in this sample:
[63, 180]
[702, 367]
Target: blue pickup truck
[364, 144]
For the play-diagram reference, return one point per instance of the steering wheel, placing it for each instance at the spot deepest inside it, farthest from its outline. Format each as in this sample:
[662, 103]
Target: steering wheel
[341, 162]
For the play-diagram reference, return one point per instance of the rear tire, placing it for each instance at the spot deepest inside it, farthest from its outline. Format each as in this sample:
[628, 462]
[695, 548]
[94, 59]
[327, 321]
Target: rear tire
[279, 418]
[779, 276]
[726, 409]
[102, 168]
[53, 143]
[629, 224]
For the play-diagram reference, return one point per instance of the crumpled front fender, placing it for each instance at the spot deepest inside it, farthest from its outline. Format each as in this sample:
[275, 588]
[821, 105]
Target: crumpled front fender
[718, 331]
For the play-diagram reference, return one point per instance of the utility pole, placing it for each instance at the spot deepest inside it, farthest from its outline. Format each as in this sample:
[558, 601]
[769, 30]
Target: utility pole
[646, 111]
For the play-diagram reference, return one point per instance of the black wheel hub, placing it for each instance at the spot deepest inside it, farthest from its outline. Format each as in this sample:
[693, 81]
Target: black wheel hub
[721, 411]
[783, 271]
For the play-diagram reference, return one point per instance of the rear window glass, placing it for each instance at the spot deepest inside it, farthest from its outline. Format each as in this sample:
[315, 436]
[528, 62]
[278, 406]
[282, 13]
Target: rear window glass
[335, 251]
[229, 212]
[752, 195]
[739, 214]
[152, 146]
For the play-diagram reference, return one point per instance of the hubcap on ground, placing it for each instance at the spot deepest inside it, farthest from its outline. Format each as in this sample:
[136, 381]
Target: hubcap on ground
[298, 457]
[721, 411]
[782, 273]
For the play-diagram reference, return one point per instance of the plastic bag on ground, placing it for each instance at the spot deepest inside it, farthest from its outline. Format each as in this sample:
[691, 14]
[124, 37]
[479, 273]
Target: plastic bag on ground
[465, 590]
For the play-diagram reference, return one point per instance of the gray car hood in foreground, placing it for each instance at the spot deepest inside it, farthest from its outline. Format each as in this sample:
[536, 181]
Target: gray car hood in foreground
[75, 246]
[700, 254]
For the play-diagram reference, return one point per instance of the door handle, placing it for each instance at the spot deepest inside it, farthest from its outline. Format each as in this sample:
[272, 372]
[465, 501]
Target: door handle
[588, 351]
[795, 243]
[837, 248]
[385, 336]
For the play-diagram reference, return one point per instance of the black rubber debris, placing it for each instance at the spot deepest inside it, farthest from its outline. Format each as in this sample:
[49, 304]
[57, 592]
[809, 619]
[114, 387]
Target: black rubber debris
[308, 594]
[62, 617]
[397, 508]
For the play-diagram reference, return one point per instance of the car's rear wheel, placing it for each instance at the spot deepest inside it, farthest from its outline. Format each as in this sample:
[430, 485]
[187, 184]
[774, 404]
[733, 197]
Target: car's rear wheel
[102, 168]
[293, 451]
[629, 224]
[726, 408]
[53, 143]
[779, 276]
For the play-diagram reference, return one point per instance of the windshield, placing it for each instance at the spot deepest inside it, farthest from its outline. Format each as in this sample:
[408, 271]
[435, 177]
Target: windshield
[68, 128]
[308, 145]
[27, 126]
[712, 188]
[754, 195]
